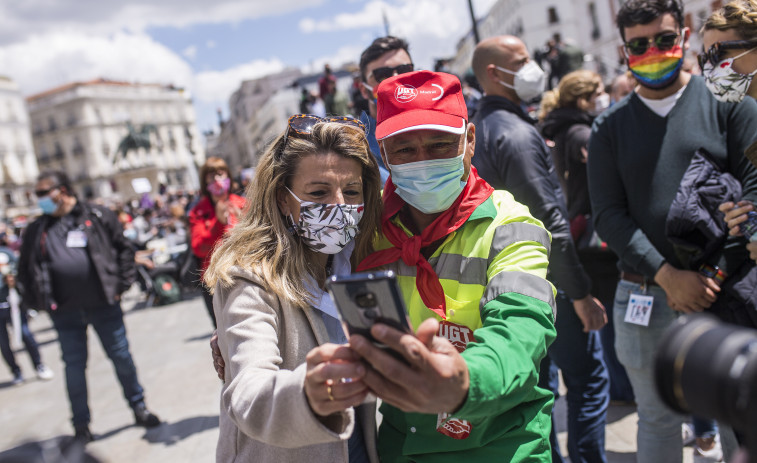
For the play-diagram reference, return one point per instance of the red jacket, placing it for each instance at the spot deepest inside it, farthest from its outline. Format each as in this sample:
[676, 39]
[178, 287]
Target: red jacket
[206, 230]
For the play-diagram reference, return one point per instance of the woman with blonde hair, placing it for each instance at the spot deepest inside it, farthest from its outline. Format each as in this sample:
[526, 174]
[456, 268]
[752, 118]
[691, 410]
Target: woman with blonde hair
[729, 58]
[579, 97]
[314, 210]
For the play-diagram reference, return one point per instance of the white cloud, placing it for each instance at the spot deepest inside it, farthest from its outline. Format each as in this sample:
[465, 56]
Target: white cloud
[190, 52]
[20, 20]
[46, 61]
[217, 86]
[432, 27]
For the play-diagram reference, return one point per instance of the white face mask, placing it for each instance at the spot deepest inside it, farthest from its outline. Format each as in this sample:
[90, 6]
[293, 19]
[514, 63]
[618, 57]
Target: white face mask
[430, 186]
[529, 81]
[601, 103]
[724, 82]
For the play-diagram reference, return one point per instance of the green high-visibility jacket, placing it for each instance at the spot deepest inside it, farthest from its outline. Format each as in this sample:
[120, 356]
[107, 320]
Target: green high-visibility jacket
[493, 270]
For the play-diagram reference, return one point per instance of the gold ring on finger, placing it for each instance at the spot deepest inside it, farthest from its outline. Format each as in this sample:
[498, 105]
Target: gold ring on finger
[328, 391]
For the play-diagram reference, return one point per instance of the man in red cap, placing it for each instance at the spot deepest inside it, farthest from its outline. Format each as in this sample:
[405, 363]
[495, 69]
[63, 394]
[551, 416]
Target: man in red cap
[471, 264]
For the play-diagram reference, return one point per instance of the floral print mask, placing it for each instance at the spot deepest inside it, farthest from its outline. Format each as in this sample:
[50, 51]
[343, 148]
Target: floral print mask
[327, 228]
[724, 82]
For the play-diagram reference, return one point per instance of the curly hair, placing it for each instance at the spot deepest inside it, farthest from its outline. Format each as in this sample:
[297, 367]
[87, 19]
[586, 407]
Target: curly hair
[636, 12]
[577, 84]
[739, 15]
[260, 241]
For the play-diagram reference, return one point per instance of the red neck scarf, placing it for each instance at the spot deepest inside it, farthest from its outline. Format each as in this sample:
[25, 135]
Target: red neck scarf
[475, 192]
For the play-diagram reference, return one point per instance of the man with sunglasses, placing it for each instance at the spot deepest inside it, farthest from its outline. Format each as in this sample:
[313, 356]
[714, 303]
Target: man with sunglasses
[638, 152]
[511, 155]
[75, 262]
[385, 57]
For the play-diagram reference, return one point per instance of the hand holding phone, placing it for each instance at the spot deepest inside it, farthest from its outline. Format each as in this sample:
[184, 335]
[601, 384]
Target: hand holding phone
[364, 299]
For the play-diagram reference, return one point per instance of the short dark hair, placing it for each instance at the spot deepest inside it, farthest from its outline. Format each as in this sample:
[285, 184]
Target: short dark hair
[380, 46]
[59, 178]
[635, 12]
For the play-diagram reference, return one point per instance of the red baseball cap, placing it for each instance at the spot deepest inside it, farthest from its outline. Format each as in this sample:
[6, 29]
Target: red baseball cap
[420, 100]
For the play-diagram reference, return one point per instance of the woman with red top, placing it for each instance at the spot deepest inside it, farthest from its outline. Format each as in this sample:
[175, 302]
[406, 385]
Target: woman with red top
[215, 213]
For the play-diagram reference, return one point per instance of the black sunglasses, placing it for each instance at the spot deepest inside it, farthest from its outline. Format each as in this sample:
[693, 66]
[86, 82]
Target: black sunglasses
[43, 193]
[383, 73]
[302, 125]
[715, 53]
[663, 41]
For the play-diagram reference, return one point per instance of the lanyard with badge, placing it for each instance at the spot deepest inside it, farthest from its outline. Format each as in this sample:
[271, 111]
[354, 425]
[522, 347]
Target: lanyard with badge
[76, 238]
[640, 304]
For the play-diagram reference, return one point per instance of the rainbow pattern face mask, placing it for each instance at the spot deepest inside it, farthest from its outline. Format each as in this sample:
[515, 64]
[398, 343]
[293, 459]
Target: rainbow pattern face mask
[656, 69]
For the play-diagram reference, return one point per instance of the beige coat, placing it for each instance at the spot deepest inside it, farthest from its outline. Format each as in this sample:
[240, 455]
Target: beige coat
[265, 416]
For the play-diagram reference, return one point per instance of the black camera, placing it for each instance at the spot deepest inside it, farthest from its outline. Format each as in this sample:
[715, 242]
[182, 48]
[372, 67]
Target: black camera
[709, 368]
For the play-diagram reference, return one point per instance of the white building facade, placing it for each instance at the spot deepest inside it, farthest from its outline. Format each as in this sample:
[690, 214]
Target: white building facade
[18, 165]
[78, 128]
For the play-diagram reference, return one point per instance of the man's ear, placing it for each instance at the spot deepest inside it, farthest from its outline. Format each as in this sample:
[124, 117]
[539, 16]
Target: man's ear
[686, 33]
[383, 153]
[471, 138]
[364, 91]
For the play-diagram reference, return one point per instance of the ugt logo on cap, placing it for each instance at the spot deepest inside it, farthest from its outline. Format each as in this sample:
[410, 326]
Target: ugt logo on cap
[405, 93]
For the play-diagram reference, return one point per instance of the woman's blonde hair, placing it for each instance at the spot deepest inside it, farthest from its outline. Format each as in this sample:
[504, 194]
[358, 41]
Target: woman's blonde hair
[740, 15]
[573, 86]
[260, 241]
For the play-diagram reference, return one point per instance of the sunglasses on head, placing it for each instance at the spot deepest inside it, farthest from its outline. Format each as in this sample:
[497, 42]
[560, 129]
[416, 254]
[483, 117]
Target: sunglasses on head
[383, 73]
[663, 41]
[43, 193]
[302, 126]
[716, 52]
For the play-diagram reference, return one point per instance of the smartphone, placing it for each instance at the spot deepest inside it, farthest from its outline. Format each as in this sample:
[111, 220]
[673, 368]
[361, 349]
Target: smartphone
[367, 298]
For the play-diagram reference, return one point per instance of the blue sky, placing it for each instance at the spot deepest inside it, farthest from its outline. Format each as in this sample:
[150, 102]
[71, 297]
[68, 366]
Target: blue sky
[210, 47]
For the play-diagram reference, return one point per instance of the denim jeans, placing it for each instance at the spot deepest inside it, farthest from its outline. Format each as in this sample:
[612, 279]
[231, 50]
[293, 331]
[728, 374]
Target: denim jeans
[579, 356]
[620, 385]
[26, 336]
[108, 323]
[659, 428]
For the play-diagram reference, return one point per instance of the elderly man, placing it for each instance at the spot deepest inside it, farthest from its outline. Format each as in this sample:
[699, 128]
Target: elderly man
[472, 265]
[512, 155]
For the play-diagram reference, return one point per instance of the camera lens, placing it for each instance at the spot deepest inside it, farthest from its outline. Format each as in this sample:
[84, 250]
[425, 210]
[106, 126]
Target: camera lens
[709, 368]
[365, 300]
[371, 314]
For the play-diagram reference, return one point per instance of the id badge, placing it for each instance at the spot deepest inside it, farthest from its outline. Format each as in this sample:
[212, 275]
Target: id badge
[76, 239]
[639, 309]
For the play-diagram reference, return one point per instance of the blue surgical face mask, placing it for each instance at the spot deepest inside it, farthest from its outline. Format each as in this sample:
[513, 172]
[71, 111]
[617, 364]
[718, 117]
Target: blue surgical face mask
[430, 186]
[47, 205]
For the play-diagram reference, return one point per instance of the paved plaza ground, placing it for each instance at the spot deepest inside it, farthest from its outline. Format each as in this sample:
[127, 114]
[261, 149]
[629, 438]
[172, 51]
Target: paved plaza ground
[170, 348]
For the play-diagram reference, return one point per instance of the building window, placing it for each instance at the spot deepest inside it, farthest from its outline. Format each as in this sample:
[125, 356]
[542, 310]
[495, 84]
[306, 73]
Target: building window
[58, 154]
[78, 149]
[71, 120]
[552, 16]
[595, 32]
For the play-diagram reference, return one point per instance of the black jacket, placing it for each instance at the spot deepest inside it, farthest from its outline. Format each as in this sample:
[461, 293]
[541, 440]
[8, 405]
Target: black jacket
[699, 236]
[569, 129]
[511, 155]
[109, 251]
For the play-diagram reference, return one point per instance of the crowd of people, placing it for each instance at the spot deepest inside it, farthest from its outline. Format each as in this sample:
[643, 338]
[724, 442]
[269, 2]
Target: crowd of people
[522, 248]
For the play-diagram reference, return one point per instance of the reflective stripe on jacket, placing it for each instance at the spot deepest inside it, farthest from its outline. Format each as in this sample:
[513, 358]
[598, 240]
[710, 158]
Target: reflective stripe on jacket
[500, 310]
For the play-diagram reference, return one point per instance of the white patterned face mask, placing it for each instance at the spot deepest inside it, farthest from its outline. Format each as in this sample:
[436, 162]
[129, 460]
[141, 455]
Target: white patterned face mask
[724, 82]
[327, 228]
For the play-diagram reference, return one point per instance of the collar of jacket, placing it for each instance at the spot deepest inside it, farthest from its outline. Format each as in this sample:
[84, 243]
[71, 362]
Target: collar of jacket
[491, 103]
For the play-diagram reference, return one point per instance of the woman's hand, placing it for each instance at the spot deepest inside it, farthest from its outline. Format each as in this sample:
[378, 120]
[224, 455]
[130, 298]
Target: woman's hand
[333, 381]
